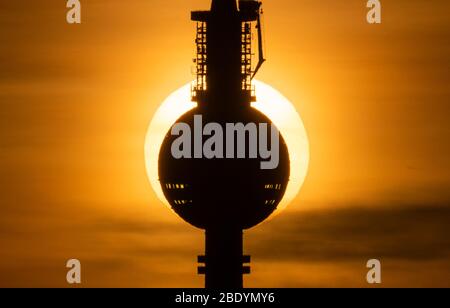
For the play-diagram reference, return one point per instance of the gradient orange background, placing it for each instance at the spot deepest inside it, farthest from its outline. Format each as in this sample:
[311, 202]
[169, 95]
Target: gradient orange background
[76, 100]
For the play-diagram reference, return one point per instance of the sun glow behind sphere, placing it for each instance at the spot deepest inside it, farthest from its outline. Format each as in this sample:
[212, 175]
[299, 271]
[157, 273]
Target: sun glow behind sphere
[269, 101]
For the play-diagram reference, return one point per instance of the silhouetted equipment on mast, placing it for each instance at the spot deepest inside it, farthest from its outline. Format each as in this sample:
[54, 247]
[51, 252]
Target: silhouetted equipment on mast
[224, 196]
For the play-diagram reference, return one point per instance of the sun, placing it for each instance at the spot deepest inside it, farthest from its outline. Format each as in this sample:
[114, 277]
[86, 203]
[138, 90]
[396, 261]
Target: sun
[269, 101]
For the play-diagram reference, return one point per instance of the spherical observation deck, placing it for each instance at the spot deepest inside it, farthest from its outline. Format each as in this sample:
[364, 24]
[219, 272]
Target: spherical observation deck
[221, 192]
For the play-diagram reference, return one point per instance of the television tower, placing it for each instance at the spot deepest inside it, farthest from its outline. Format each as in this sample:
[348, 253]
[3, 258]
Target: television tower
[224, 196]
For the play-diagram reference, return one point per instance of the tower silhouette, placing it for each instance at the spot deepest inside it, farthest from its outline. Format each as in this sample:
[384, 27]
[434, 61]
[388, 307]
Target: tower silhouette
[224, 196]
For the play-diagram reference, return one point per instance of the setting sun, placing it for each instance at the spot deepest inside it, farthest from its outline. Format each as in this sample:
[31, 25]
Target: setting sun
[269, 101]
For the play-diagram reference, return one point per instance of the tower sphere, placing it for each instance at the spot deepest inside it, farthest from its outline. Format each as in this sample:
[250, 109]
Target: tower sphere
[232, 192]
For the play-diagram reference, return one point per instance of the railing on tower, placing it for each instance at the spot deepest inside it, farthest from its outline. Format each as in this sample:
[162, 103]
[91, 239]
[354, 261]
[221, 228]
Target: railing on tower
[199, 86]
[249, 12]
[246, 59]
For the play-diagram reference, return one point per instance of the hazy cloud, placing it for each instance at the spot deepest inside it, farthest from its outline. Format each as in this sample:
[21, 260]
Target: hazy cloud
[403, 232]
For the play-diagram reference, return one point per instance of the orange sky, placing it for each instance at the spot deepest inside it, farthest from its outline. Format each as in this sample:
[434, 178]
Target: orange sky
[76, 100]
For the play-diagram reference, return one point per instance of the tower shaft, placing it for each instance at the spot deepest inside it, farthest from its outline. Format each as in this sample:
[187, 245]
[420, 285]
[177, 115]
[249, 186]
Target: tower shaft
[223, 85]
[224, 259]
